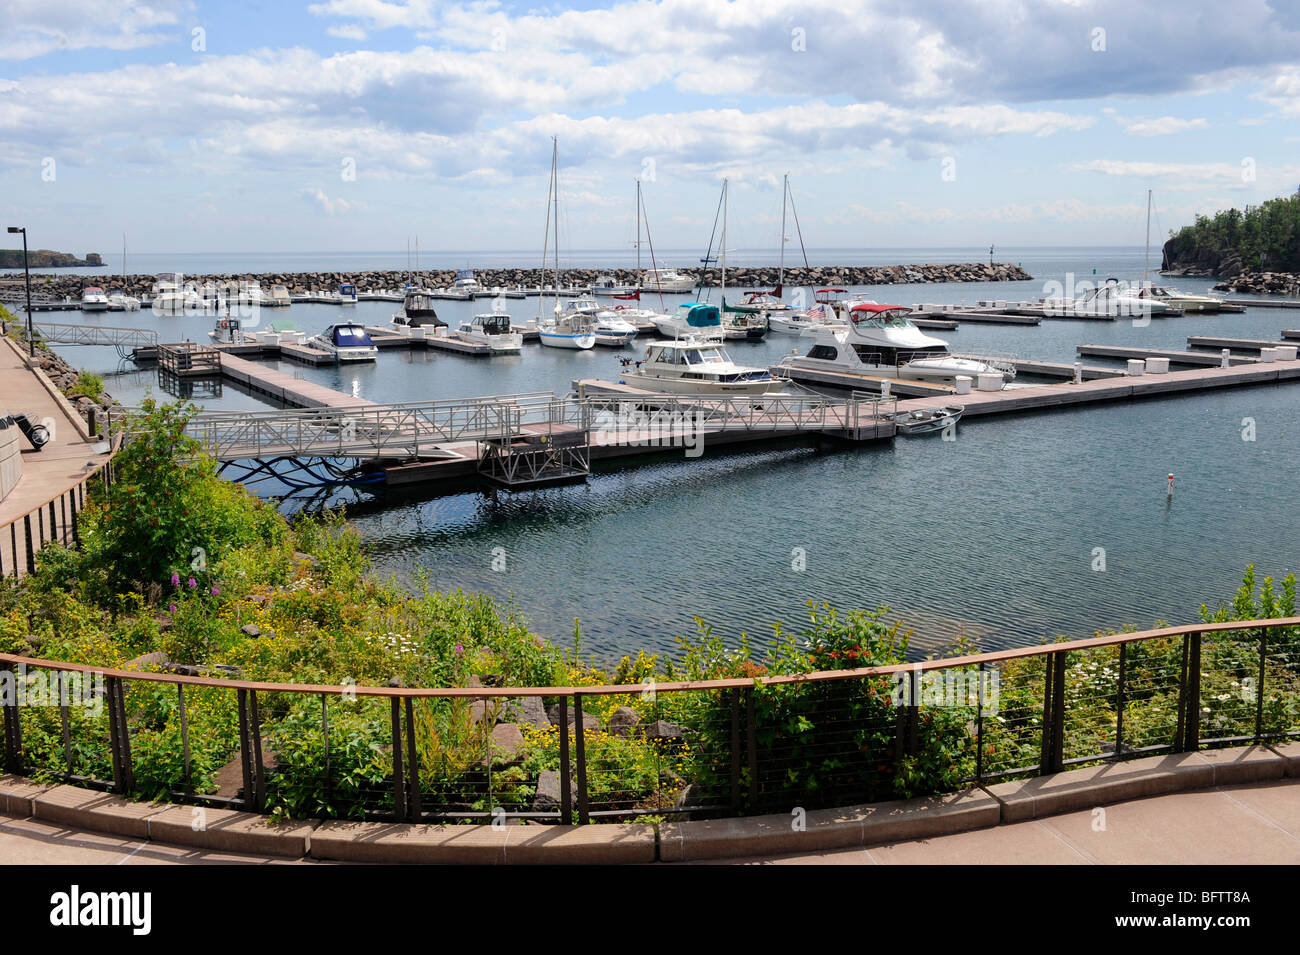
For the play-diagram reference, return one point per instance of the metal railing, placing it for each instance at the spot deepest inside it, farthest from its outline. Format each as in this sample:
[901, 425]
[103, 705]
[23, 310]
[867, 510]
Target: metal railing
[402, 430]
[734, 745]
[68, 333]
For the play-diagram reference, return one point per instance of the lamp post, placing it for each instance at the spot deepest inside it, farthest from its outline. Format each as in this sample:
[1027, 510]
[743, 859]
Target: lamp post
[27, 275]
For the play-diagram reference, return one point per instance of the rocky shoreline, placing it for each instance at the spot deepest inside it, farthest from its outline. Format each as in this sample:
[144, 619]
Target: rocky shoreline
[1262, 283]
[58, 286]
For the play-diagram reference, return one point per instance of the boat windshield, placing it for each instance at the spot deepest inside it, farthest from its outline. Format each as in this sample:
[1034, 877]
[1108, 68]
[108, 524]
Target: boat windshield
[890, 318]
[704, 356]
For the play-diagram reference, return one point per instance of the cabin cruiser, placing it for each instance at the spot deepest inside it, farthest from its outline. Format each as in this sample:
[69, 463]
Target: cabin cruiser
[493, 330]
[93, 299]
[609, 285]
[250, 293]
[417, 311]
[698, 319]
[279, 298]
[666, 280]
[1174, 298]
[612, 326]
[466, 282]
[346, 341]
[697, 366]
[119, 301]
[1108, 301]
[347, 294]
[881, 340]
[227, 331]
[827, 309]
[169, 295]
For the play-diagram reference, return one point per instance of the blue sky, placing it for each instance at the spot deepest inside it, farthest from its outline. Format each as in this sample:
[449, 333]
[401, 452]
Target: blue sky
[930, 123]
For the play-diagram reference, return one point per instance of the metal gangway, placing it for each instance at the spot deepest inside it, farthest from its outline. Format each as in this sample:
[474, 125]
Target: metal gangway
[409, 430]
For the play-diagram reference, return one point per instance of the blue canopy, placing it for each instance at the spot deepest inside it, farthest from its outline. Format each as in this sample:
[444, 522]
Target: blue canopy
[702, 315]
[349, 336]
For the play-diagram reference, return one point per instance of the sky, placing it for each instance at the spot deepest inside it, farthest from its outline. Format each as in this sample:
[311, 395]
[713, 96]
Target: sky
[361, 124]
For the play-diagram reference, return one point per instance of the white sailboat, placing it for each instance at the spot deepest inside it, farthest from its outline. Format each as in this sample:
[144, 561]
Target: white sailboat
[571, 327]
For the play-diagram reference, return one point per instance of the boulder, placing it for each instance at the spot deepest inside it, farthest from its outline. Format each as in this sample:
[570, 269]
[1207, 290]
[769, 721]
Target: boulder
[660, 729]
[506, 745]
[589, 723]
[528, 709]
[624, 721]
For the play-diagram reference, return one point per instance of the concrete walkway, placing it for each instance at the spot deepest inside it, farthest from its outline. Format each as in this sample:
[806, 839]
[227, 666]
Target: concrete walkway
[1251, 824]
[62, 464]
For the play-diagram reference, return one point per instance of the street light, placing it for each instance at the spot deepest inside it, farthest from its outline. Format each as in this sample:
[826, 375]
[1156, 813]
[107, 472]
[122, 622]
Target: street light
[31, 338]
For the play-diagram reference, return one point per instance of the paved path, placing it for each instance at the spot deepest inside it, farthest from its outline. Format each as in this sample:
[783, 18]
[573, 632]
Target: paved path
[1257, 823]
[60, 465]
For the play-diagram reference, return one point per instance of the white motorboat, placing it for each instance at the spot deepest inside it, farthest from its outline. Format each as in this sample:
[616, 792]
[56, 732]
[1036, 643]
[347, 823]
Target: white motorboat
[417, 310]
[119, 301]
[612, 327]
[227, 331]
[494, 330]
[743, 322]
[93, 299]
[1174, 298]
[925, 420]
[250, 293]
[695, 366]
[280, 297]
[170, 295]
[346, 341]
[607, 284]
[1109, 301]
[880, 340]
[466, 282]
[666, 280]
[693, 319]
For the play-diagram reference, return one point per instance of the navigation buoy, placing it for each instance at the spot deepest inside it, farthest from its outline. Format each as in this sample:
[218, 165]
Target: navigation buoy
[1170, 492]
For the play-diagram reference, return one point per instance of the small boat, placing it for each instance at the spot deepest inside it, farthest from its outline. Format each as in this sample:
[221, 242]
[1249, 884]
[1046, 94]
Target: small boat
[250, 293]
[280, 297]
[575, 330]
[169, 295]
[493, 330]
[571, 325]
[606, 284]
[925, 420]
[227, 331]
[466, 282]
[612, 327]
[346, 341]
[1174, 298]
[347, 294]
[696, 366]
[1108, 301]
[417, 311]
[119, 301]
[743, 322]
[93, 299]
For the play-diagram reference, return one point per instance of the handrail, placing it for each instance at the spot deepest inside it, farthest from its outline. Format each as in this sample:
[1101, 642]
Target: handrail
[817, 676]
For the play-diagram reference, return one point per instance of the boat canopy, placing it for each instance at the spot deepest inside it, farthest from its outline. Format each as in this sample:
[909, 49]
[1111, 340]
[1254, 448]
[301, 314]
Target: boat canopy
[349, 336]
[879, 316]
[494, 324]
[702, 315]
[744, 309]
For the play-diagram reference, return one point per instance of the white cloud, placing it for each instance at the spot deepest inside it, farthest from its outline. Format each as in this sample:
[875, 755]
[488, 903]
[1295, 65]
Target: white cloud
[34, 28]
[1164, 126]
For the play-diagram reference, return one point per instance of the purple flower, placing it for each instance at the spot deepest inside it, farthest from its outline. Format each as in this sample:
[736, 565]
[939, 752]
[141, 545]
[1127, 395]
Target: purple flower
[171, 608]
[193, 583]
[215, 591]
[459, 648]
[176, 579]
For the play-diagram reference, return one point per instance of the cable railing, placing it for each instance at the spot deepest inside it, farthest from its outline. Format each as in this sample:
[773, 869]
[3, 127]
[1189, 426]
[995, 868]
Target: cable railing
[716, 747]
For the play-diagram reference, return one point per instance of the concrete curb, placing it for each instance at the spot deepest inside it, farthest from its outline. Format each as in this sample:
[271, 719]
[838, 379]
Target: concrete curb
[609, 844]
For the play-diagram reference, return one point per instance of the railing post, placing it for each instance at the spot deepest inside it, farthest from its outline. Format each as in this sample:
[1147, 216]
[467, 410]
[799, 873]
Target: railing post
[414, 809]
[13, 728]
[64, 719]
[1259, 686]
[188, 779]
[245, 747]
[399, 782]
[259, 772]
[31, 554]
[1119, 702]
[751, 745]
[566, 770]
[1051, 759]
[735, 750]
[119, 737]
[580, 758]
[1192, 725]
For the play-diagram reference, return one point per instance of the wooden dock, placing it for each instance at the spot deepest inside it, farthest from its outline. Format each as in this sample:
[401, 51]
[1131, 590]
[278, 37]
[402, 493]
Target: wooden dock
[987, 316]
[1261, 303]
[1236, 344]
[855, 382]
[1198, 359]
[1053, 369]
[285, 388]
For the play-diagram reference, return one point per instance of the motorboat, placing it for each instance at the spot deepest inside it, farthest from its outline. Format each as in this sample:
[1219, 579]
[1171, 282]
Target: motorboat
[607, 284]
[696, 319]
[880, 340]
[346, 341]
[697, 366]
[612, 327]
[417, 311]
[666, 280]
[227, 331]
[466, 282]
[170, 295]
[743, 322]
[1174, 298]
[250, 293]
[93, 299]
[347, 294]
[119, 301]
[279, 298]
[494, 330]
[1108, 301]
[925, 420]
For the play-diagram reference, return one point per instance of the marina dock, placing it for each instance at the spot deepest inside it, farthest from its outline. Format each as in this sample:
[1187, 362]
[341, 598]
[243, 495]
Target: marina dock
[1199, 359]
[284, 388]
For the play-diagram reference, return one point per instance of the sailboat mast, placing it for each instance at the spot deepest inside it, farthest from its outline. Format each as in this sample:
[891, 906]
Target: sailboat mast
[638, 233]
[555, 194]
[724, 243]
[123, 255]
[1146, 263]
[785, 188]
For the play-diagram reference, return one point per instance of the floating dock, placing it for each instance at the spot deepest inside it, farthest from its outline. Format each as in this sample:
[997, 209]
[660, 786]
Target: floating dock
[1236, 344]
[285, 388]
[1199, 359]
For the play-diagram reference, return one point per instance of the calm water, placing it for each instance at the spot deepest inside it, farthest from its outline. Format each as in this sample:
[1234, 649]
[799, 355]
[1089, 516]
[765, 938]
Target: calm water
[992, 535]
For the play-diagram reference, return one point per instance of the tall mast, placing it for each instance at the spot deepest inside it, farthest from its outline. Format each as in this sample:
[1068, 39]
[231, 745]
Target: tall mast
[785, 187]
[1146, 264]
[724, 242]
[123, 255]
[638, 233]
[555, 193]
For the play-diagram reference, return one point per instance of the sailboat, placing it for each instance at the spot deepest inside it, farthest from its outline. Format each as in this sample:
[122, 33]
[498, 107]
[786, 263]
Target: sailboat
[1150, 295]
[118, 300]
[568, 327]
[618, 325]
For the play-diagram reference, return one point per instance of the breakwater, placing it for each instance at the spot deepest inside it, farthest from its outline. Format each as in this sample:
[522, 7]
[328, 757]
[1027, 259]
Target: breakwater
[1262, 283]
[58, 286]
